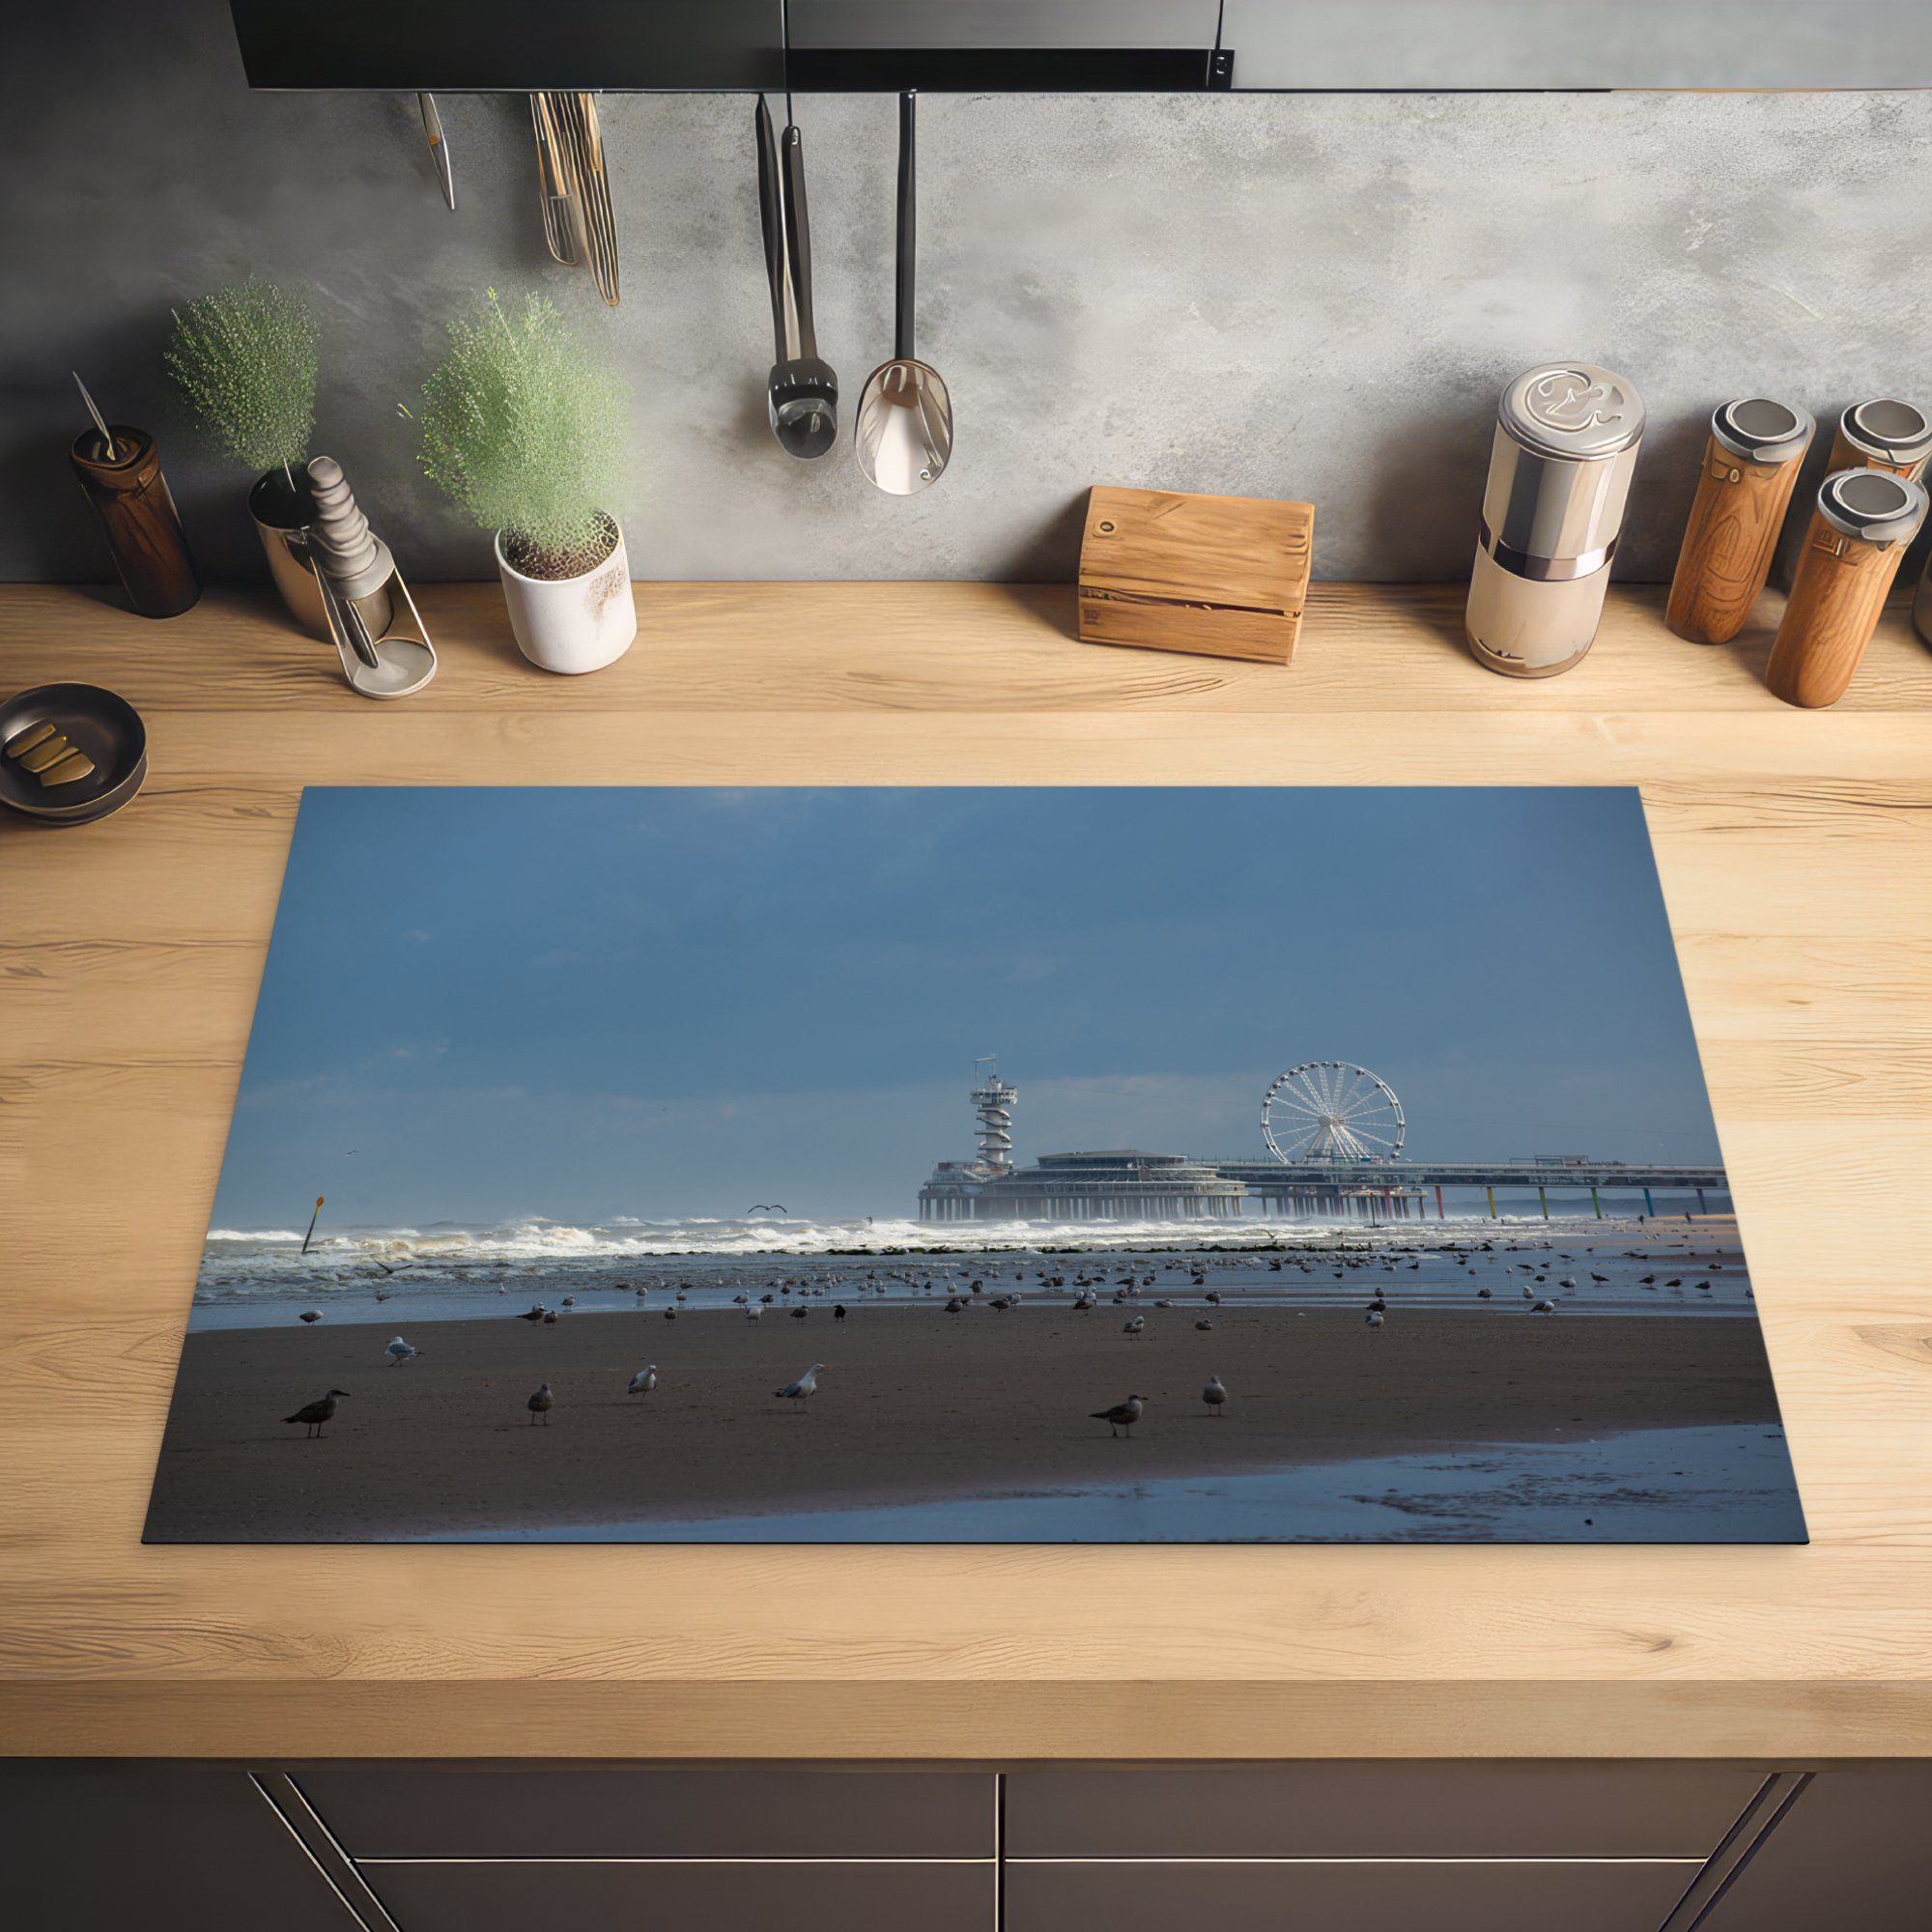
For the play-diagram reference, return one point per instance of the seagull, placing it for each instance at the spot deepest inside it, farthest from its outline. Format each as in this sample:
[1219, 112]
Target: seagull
[1215, 1396]
[807, 1384]
[1485, 1294]
[1203, 1326]
[536, 1313]
[311, 1315]
[399, 1351]
[549, 1317]
[382, 1294]
[1122, 1415]
[838, 1311]
[1543, 1308]
[753, 1311]
[1134, 1325]
[644, 1380]
[313, 1414]
[1373, 1319]
[539, 1405]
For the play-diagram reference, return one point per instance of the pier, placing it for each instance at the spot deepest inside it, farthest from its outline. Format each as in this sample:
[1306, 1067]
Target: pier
[1131, 1184]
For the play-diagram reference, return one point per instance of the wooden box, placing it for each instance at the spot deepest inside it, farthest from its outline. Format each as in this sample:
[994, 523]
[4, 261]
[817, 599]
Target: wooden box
[1223, 576]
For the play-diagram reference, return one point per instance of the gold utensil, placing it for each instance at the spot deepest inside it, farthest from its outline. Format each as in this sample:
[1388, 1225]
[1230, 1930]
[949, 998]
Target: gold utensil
[563, 226]
[50, 755]
[576, 154]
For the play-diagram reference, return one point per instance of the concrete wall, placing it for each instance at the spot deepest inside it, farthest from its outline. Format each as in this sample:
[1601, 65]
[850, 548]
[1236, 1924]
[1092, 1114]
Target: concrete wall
[1270, 294]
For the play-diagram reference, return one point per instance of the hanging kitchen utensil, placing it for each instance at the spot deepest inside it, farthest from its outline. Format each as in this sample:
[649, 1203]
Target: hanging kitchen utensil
[803, 392]
[439, 148]
[562, 218]
[579, 221]
[903, 433]
[583, 147]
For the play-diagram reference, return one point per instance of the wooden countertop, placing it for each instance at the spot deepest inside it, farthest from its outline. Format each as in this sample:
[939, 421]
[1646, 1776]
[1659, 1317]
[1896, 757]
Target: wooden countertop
[1796, 852]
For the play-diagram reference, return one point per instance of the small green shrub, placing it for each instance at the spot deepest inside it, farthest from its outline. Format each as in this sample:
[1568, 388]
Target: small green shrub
[245, 358]
[524, 429]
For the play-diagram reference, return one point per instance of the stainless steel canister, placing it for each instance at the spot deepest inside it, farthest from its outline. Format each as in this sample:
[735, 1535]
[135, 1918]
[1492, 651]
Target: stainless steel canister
[1566, 442]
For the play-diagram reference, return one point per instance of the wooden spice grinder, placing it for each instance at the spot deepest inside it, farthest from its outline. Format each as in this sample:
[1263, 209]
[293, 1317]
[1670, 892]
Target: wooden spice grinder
[1750, 468]
[1860, 531]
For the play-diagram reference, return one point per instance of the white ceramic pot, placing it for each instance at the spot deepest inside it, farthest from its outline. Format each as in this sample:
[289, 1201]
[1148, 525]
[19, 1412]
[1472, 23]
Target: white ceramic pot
[572, 624]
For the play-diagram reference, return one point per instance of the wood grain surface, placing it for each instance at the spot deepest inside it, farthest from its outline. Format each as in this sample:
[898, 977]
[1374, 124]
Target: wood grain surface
[1836, 602]
[1733, 529]
[1794, 847]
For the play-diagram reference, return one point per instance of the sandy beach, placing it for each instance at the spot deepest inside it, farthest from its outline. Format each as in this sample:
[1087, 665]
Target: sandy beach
[914, 1406]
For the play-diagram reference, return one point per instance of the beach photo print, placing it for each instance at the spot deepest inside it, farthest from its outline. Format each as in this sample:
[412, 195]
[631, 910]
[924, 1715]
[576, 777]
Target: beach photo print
[959, 1165]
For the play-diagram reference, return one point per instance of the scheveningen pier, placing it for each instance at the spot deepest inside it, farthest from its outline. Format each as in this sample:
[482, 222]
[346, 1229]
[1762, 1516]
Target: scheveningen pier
[1332, 1149]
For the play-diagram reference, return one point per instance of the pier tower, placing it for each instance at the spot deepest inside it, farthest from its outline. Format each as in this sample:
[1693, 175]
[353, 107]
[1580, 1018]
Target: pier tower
[993, 1101]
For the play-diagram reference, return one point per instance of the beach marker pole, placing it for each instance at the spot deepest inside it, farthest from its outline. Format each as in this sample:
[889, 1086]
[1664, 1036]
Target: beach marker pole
[312, 1220]
[1595, 1203]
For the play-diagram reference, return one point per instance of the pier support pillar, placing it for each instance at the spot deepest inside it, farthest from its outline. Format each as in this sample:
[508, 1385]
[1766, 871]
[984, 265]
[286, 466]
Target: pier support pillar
[1701, 1200]
[1542, 1198]
[1492, 1193]
[1440, 1215]
[1595, 1202]
[1649, 1206]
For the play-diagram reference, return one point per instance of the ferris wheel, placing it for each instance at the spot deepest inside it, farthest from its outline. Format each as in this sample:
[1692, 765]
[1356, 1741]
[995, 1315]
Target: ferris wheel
[1331, 1110]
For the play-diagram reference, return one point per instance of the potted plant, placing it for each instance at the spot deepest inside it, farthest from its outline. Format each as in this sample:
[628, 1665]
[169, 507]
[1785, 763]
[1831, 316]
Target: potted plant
[524, 429]
[244, 358]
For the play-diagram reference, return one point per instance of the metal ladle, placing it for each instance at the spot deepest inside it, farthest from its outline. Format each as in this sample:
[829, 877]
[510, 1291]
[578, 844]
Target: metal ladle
[903, 433]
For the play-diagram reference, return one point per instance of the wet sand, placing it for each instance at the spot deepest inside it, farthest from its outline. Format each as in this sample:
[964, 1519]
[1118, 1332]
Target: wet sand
[915, 1405]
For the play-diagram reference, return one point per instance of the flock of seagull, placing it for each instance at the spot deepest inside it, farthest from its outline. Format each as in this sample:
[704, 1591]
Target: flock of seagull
[1127, 1290]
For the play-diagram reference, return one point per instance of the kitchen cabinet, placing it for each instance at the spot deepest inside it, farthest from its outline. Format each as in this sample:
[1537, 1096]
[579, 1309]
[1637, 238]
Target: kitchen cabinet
[169, 1847]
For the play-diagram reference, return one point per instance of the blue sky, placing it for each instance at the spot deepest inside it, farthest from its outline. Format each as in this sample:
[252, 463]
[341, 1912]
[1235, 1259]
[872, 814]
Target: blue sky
[601, 1002]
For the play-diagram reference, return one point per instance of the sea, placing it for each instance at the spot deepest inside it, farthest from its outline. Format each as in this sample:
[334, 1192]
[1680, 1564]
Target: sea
[262, 1277]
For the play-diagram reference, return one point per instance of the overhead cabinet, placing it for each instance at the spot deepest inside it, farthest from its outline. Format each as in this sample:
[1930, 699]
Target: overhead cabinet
[1079, 45]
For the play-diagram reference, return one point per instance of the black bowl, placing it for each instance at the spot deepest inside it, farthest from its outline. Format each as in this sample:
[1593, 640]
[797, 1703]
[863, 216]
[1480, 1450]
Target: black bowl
[106, 727]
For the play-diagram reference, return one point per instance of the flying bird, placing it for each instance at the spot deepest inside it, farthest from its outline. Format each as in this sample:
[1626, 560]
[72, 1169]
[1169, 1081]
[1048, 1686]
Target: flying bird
[399, 1352]
[644, 1380]
[807, 1384]
[768, 1208]
[539, 1405]
[313, 1414]
[1122, 1416]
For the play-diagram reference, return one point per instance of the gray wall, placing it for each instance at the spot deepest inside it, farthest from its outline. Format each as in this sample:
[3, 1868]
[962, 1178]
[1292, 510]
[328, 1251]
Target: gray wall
[1272, 295]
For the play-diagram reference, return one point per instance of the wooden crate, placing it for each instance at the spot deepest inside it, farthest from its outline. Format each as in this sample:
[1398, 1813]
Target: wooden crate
[1223, 576]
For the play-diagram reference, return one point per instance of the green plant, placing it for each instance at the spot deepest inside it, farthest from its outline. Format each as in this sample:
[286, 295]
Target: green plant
[245, 359]
[524, 430]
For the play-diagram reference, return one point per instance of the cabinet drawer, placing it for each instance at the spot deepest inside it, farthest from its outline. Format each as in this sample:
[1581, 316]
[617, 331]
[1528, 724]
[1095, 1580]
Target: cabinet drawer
[825, 1897]
[1349, 1811]
[1526, 1896]
[466, 1811]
